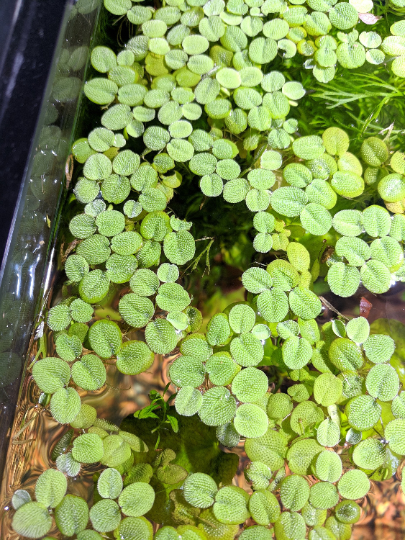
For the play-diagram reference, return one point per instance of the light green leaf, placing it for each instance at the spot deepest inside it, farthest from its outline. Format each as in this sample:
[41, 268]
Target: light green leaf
[109, 484]
[218, 407]
[354, 485]
[136, 499]
[65, 405]
[200, 490]
[230, 505]
[72, 515]
[88, 448]
[50, 488]
[32, 520]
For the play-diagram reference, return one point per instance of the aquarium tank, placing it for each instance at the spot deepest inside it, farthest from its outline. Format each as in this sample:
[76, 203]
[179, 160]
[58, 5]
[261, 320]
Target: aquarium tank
[217, 347]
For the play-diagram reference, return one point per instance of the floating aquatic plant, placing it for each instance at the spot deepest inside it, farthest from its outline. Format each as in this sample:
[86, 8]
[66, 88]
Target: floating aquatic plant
[206, 98]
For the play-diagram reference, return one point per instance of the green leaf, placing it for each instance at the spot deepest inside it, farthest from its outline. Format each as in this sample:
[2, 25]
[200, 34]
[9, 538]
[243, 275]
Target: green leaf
[370, 454]
[135, 528]
[289, 526]
[327, 389]
[313, 516]
[82, 226]
[136, 444]
[336, 141]
[394, 434]
[32, 520]
[160, 336]
[305, 415]
[294, 492]
[297, 352]
[109, 484]
[279, 406]
[76, 267]
[347, 184]
[250, 385]
[323, 495]
[200, 490]
[250, 421]
[72, 515]
[94, 286]
[172, 296]
[273, 304]
[376, 220]
[355, 250]
[100, 91]
[398, 406]
[50, 488]
[126, 243]
[89, 373]
[354, 485]
[81, 312]
[247, 350]
[348, 222]
[304, 303]
[316, 219]
[218, 330]
[289, 201]
[269, 449]
[86, 417]
[259, 474]
[20, 497]
[328, 466]
[283, 274]
[230, 505]
[218, 406]
[187, 371]
[221, 368]
[363, 412]
[227, 435]
[105, 515]
[298, 256]
[197, 346]
[59, 317]
[320, 192]
[256, 280]
[105, 338]
[88, 448]
[375, 276]
[242, 318]
[136, 499]
[348, 512]
[345, 355]
[388, 251]
[68, 465]
[382, 382]
[144, 282]
[103, 59]
[51, 374]
[134, 357]
[328, 434]
[116, 451]
[309, 147]
[301, 455]
[188, 401]
[120, 268]
[392, 187]
[179, 247]
[65, 405]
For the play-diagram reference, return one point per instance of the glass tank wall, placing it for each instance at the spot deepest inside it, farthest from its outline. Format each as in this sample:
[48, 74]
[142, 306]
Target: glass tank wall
[28, 272]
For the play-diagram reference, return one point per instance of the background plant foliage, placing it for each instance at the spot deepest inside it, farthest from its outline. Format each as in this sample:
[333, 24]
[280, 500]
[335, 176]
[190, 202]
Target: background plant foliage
[212, 144]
